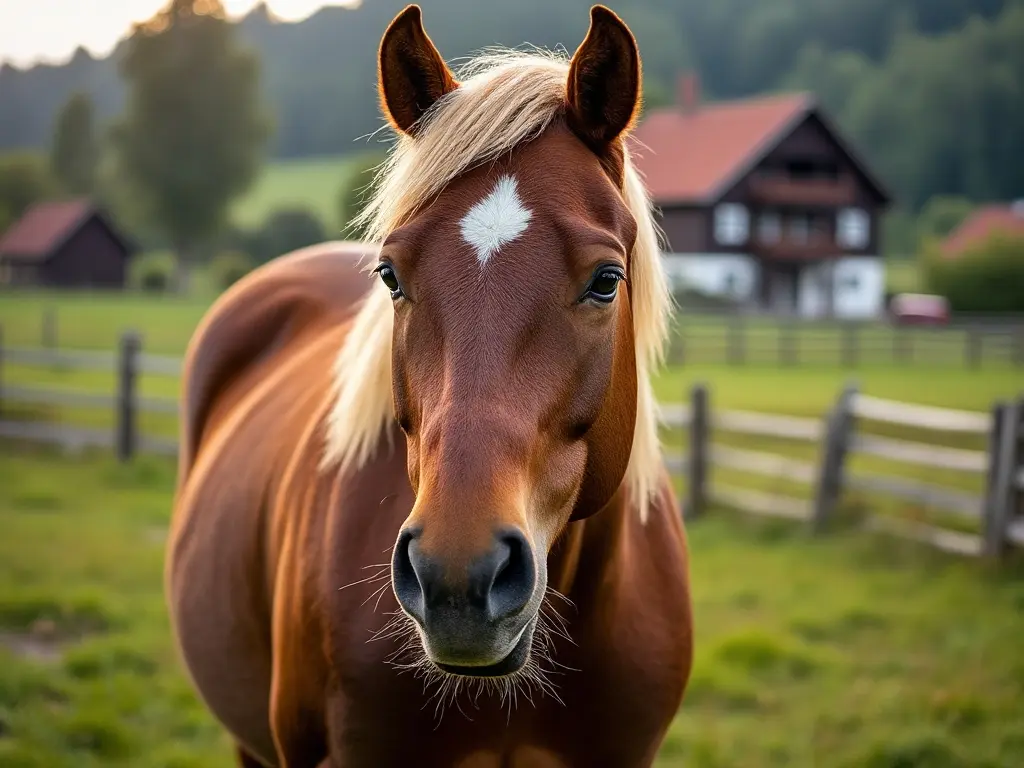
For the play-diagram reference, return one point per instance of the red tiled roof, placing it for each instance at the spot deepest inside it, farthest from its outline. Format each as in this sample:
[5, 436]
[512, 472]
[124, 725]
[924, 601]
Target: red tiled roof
[689, 156]
[43, 227]
[982, 223]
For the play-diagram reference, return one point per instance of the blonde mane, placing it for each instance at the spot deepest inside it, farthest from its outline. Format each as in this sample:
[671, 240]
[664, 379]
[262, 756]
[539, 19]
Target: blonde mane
[506, 98]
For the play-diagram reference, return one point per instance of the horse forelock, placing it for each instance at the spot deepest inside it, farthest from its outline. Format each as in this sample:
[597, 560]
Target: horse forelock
[506, 98]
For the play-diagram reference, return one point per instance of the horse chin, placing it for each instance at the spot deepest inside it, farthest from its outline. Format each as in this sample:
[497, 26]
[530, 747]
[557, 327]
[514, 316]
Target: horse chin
[514, 661]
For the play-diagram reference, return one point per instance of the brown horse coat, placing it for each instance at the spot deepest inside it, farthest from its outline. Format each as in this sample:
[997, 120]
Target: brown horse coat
[513, 413]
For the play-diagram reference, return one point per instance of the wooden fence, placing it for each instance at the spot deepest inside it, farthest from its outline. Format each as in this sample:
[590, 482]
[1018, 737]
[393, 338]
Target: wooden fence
[997, 513]
[738, 340]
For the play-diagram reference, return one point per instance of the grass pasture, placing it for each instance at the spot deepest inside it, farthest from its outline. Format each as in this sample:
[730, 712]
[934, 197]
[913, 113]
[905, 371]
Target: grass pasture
[845, 650]
[313, 183]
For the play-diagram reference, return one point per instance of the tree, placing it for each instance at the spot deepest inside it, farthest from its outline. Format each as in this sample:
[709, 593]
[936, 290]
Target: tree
[194, 131]
[75, 152]
[942, 214]
[24, 181]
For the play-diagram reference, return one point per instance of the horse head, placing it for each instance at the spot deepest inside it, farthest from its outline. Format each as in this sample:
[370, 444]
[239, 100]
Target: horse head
[519, 260]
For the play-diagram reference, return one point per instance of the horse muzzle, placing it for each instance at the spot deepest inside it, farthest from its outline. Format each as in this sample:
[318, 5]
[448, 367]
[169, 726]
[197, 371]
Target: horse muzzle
[476, 619]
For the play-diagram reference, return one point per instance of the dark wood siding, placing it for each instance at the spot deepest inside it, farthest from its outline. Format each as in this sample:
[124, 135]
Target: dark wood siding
[687, 229]
[92, 257]
[809, 141]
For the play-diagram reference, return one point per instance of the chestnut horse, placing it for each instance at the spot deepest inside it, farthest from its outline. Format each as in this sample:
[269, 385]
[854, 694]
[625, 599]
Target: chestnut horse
[422, 516]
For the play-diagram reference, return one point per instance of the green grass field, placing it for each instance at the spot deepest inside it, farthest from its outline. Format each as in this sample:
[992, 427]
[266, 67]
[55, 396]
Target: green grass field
[312, 183]
[842, 651]
[846, 650]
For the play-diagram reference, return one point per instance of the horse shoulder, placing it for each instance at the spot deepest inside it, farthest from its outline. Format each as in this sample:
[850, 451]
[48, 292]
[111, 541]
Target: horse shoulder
[255, 322]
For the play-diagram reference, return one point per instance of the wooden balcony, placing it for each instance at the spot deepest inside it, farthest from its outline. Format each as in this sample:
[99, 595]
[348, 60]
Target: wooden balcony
[815, 248]
[779, 190]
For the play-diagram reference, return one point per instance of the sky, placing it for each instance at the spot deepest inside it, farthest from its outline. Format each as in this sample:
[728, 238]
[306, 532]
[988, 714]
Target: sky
[51, 30]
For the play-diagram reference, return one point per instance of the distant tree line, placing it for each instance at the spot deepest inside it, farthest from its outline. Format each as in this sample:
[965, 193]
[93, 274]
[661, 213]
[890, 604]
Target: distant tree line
[932, 91]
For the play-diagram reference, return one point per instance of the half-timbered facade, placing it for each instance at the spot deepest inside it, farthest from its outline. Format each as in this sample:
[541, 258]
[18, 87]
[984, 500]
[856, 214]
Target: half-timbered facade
[761, 200]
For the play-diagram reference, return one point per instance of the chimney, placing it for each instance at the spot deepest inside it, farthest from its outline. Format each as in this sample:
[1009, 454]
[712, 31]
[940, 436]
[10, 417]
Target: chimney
[688, 93]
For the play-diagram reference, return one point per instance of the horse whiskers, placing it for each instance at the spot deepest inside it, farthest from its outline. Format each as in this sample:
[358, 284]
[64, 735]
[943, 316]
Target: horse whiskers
[443, 688]
[383, 573]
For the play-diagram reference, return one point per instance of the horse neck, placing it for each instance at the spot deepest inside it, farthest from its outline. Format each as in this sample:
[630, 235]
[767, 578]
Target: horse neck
[591, 550]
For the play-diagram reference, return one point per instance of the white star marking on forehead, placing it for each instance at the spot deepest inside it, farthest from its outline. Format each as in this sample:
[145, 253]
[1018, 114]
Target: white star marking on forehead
[497, 219]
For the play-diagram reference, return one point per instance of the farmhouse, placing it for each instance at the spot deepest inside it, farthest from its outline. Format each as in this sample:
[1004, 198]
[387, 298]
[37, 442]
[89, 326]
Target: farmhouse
[983, 223]
[763, 202]
[66, 244]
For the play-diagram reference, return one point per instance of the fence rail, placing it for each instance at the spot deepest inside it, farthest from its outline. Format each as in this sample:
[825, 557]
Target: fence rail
[998, 513]
[738, 339]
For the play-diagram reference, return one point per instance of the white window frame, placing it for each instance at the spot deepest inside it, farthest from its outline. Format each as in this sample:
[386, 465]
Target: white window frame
[853, 228]
[732, 224]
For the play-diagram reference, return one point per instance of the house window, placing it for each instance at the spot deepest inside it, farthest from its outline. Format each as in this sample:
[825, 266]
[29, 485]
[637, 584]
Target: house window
[852, 228]
[850, 283]
[769, 227]
[799, 228]
[732, 223]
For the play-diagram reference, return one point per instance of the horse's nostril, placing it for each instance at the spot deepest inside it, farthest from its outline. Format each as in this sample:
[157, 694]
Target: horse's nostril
[514, 577]
[405, 579]
[496, 585]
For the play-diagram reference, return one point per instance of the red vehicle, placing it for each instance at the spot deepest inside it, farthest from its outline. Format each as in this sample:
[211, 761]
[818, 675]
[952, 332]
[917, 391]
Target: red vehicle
[919, 308]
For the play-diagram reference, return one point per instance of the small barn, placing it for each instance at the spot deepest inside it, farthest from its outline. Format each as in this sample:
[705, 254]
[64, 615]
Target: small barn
[64, 244]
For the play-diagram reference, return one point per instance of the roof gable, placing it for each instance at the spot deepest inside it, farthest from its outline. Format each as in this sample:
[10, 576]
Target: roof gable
[44, 227]
[697, 155]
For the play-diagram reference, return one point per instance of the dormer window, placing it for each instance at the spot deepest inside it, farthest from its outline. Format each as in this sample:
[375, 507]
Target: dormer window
[852, 228]
[732, 224]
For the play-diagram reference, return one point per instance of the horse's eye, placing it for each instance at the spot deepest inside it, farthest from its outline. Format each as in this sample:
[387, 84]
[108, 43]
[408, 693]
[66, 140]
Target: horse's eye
[604, 285]
[390, 279]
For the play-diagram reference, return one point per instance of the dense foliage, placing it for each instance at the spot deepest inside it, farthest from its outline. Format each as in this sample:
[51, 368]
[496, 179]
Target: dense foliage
[355, 188]
[989, 277]
[75, 152]
[25, 180]
[191, 138]
[284, 230]
[931, 91]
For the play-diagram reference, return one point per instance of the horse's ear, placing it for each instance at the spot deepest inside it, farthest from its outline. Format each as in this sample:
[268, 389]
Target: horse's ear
[603, 89]
[411, 73]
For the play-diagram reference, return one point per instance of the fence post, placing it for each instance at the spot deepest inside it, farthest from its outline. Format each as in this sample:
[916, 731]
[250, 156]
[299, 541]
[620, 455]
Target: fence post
[49, 328]
[1004, 441]
[788, 341]
[125, 436]
[850, 339]
[697, 458]
[902, 349]
[736, 342]
[838, 435]
[973, 341]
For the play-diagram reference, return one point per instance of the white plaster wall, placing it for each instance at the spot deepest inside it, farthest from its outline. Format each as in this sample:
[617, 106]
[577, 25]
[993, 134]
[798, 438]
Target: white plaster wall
[812, 299]
[709, 272]
[867, 297]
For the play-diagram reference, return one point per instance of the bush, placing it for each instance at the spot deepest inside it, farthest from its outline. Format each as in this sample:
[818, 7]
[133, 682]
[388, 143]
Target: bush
[228, 267]
[25, 180]
[283, 231]
[988, 277]
[152, 272]
[355, 187]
